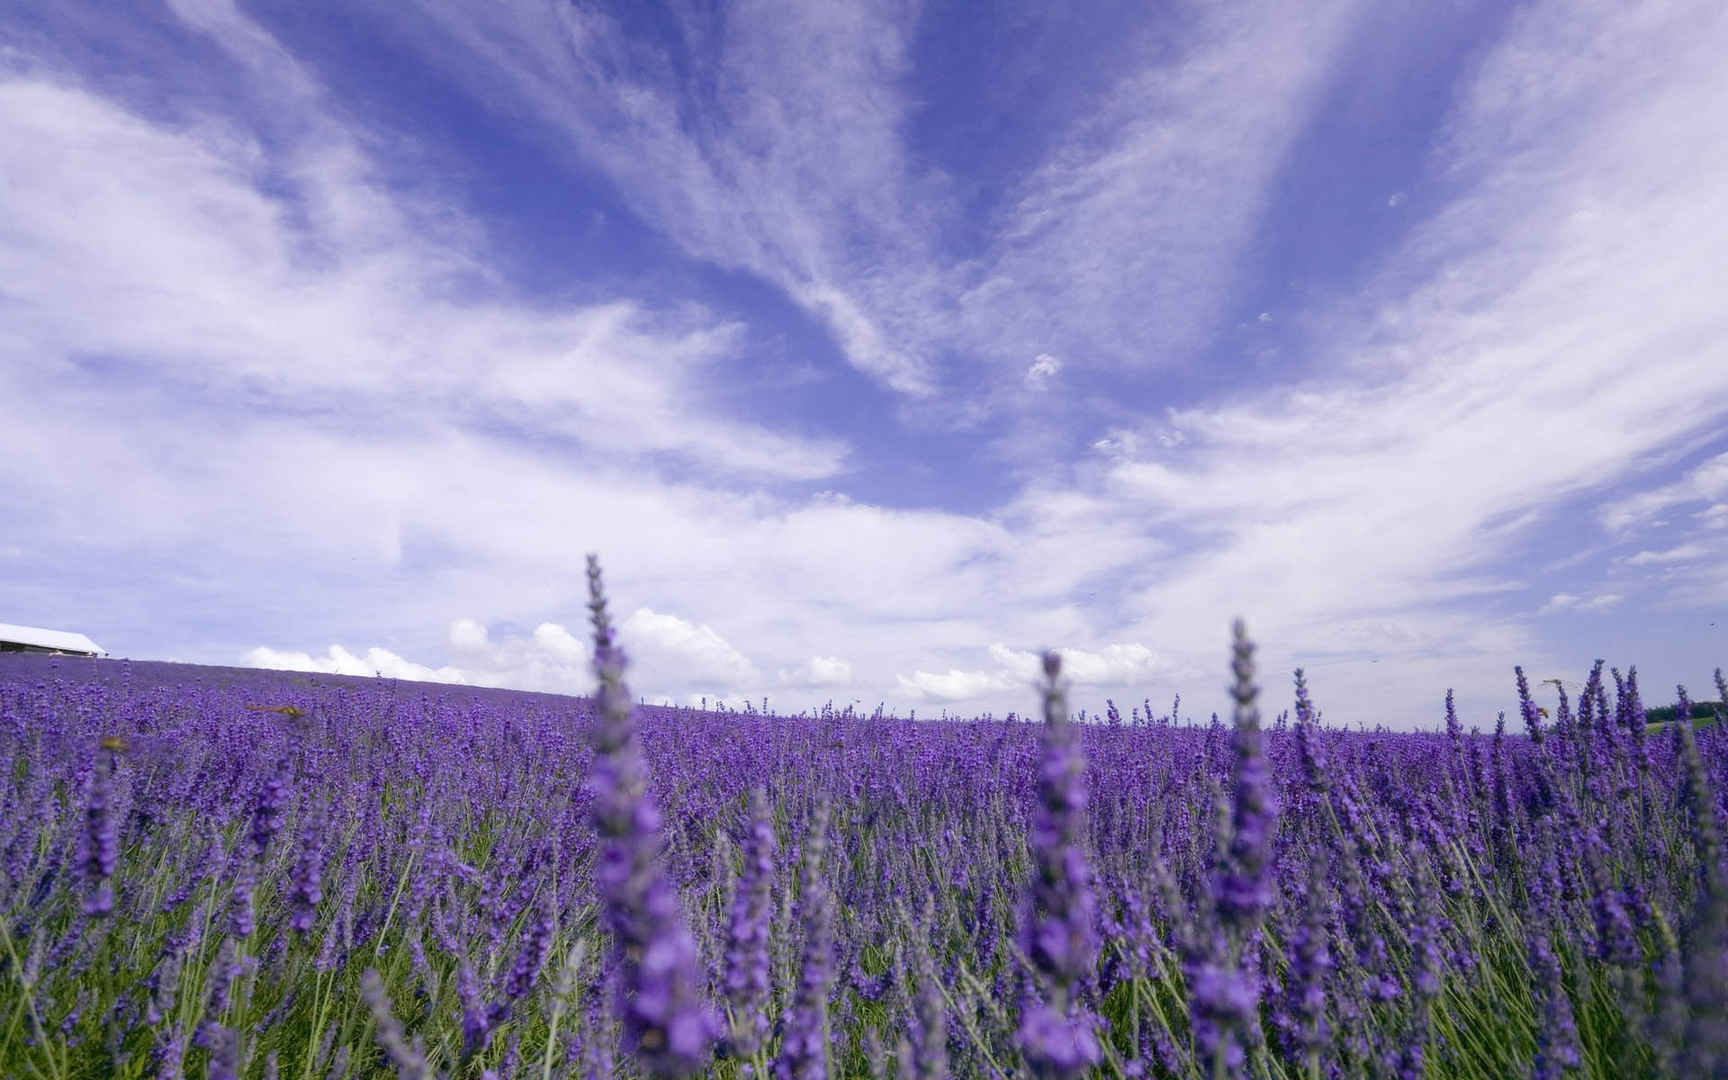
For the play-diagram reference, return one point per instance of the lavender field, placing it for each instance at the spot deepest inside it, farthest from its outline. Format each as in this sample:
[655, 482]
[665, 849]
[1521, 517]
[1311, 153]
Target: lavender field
[252, 874]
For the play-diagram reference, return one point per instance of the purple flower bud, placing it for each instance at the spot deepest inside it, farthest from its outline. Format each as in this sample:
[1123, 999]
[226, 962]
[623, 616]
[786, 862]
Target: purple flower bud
[1303, 1012]
[804, 1048]
[409, 1058]
[1058, 1044]
[101, 840]
[667, 1025]
[1243, 891]
[307, 879]
[1557, 1047]
[747, 980]
[476, 1020]
[1706, 955]
[532, 958]
[224, 1046]
[1527, 707]
[1060, 935]
[267, 812]
[928, 1057]
[241, 920]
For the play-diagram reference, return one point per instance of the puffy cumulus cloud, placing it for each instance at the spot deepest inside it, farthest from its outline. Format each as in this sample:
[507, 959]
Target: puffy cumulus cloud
[1569, 602]
[667, 655]
[695, 652]
[339, 661]
[556, 641]
[955, 685]
[467, 634]
[1018, 672]
[1043, 369]
[818, 671]
[550, 660]
[1120, 664]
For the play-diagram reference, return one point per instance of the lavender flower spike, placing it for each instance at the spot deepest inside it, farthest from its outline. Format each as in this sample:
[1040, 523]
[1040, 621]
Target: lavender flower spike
[1223, 996]
[409, 1058]
[1060, 935]
[747, 983]
[804, 1050]
[1706, 962]
[101, 840]
[667, 1025]
[1244, 891]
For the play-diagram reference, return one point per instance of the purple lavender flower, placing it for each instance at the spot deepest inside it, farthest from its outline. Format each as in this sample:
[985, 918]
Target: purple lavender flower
[409, 1058]
[532, 957]
[101, 839]
[1616, 941]
[804, 1048]
[1527, 707]
[1244, 890]
[1223, 1000]
[667, 1025]
[476, 1020]
[268, 810]
[1557, 1040]
[307, 879]
[1706, 955]
[224, 1046]
[1059, 1044]
[1308, 747]
[747, 983]
[1303, 1010]
[241, 918]
[927, 1056]
[1059, 934]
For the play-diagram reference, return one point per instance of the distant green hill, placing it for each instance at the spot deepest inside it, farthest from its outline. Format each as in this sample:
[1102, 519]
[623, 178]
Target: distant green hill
[1702, 712]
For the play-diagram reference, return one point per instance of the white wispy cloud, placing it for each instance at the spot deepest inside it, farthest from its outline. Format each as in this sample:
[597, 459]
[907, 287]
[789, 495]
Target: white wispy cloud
[1569, 602]
[790, 150]
[788, 160]
[1705, 482]
[1683, 553]
[288, 387]
[206, 279]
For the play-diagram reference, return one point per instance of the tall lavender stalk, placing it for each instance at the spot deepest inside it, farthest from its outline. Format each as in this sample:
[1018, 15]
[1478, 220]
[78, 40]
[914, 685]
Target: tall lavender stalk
[747, 982]
[1706, 963]
[101, 839]
[1302, 1013]
[1056, 1035]
[667, 1025]
[804, 1049]
[408, 1057]
[1223, 999]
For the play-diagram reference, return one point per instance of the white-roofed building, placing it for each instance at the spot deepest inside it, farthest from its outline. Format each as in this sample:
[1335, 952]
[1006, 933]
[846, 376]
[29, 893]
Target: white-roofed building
[34, 640]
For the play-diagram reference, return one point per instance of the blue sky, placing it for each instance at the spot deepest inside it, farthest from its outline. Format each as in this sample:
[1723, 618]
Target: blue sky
[874, 346]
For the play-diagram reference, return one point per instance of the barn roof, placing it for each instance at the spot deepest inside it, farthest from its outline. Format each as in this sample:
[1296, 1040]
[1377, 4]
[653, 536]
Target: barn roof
[63, 640]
